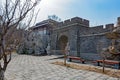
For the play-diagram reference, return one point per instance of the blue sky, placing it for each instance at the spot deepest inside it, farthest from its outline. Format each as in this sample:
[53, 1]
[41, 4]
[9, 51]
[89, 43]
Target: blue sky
[97, 11]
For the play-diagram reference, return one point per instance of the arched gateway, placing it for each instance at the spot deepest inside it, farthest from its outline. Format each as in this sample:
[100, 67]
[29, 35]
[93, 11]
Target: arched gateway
[62, 42]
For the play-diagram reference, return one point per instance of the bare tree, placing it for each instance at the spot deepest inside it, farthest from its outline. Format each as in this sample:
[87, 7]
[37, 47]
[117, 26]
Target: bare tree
[17, 37]
[13, 12]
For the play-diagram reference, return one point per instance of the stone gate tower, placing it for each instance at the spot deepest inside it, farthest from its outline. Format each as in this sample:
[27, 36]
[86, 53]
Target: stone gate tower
[68, 31]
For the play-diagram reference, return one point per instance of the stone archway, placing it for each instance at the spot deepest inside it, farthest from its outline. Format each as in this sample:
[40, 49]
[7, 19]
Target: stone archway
[62, 42]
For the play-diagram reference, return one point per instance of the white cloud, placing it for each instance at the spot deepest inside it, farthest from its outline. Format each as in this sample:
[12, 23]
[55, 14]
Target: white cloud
[50, 7]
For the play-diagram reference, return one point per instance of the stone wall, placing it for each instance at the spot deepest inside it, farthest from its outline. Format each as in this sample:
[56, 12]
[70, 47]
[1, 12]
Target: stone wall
[93, 43]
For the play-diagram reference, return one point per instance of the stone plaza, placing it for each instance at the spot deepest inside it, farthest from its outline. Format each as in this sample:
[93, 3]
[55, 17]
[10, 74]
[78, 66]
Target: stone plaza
[28, 67]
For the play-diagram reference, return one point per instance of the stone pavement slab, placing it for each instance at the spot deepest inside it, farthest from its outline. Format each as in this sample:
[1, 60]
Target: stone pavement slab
[27, 67]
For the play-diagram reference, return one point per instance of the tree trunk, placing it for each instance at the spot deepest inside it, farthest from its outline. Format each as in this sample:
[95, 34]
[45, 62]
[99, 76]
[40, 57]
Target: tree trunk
[103, 65]
[65, 57]
[2, 74]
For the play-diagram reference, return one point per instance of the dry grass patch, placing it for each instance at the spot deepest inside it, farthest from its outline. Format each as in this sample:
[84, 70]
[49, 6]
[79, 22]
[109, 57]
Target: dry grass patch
[109, 72]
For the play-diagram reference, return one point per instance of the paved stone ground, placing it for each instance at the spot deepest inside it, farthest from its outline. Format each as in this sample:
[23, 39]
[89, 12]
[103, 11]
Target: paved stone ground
[26, 67]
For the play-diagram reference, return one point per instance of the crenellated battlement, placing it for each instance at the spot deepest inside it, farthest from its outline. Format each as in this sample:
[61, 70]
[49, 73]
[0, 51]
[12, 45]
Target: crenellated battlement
[107, 26]
[83, 22]
[73, 21]
[101, 28]
[86, 23]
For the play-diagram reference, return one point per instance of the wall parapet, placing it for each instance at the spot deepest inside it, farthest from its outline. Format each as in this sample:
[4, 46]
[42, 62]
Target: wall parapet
[102, 28]
[109, 26]
[73, 21]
